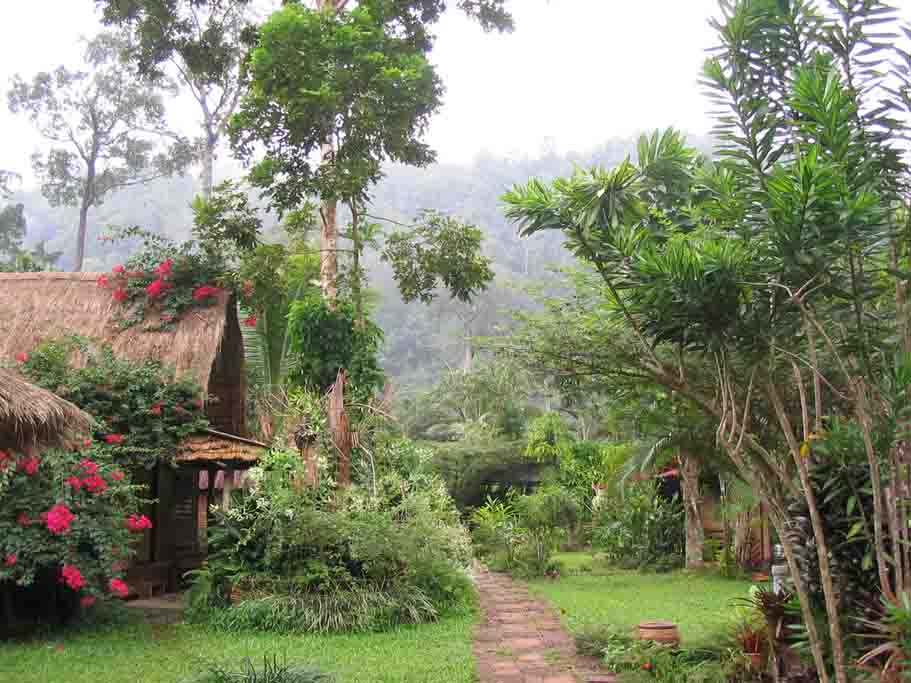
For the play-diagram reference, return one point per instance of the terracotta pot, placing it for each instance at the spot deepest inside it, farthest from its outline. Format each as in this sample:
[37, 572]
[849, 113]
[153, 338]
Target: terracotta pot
[662, 632]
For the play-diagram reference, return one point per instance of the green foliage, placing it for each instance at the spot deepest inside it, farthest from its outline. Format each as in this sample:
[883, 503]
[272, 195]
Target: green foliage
[324, 340]
[374, 109]
[297, 561]
[548, 438]
[64, 510]
[13, 257]
[138, 404]
[440, 250]
[271, 671]
[640, 529]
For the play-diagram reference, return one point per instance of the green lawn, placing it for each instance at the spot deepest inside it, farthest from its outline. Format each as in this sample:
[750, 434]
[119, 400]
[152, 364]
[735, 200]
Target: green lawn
[141, 654]
[698, 602]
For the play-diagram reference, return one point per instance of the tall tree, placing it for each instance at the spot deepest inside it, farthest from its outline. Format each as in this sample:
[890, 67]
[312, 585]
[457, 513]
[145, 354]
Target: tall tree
[363, 94]
[202, 42]
[107, 131]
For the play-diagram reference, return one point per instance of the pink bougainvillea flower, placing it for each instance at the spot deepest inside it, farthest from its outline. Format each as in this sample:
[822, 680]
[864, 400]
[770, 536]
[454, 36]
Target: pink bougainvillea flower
[89, 467]
[114, 439]
[155, 409]
[95, 484]
[251, 321]
[119, 270]
[86, 443]
[119, 588]
[120, 295]
[74, 483]
[28, 465]
[117, 475]
[23, 519]
[167, 317]
[102, 281]
[72, 577]
[164, 269]
[21, 357]
[138, 523]
[87, 601]
[205, 292]
[59, 519]
[11, 560]
[155, 289]
[198, 404]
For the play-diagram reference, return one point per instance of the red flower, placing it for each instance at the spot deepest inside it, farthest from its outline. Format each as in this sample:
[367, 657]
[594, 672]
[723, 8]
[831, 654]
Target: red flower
[120, 295]
[74, 483]
[119, 588]
[21, 357]
[114, 439]
[72, 577]
[86, 443]
[102, 281]
[205, 292]
[28, 465]
[118, 269]
[118, 475]
[164, 269]
[251, 321]
[155, 409]
[87, 601]
[199, 404]
[138, 523]
[23, 519]
[156, 288]
[11, 560]
[59, 519]
[95, 484]
[167, 317]
[88, 467]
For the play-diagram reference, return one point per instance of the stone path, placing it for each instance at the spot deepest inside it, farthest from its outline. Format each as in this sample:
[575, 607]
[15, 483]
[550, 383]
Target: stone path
[520, 639]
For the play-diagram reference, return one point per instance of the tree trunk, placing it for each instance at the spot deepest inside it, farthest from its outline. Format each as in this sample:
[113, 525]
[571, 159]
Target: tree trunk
[357, 247]
[208, 167]
[328, 258]
[690, 466]
[80, 237]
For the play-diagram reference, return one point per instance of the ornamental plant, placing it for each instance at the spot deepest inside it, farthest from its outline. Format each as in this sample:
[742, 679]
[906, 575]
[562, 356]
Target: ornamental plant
[142, 413]
[65, 517]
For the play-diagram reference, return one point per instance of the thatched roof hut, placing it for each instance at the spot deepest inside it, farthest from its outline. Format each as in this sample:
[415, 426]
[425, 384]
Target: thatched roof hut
[205, 344]
[32, 417]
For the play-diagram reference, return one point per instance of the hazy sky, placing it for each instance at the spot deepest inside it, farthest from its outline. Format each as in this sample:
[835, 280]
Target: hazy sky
[574, 74]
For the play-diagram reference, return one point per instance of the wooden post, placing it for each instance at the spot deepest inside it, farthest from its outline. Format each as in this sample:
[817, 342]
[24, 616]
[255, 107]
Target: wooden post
[227, 489]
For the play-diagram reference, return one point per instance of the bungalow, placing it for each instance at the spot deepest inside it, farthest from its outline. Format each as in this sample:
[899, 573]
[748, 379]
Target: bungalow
[206, 345]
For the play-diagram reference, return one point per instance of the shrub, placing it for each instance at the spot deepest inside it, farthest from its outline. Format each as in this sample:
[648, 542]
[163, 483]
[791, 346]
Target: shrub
[640, 529]
[270, 672]
[288, 560]
[65, 524]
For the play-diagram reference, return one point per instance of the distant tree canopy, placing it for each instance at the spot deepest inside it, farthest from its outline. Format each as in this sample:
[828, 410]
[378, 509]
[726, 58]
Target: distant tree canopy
[107, 131]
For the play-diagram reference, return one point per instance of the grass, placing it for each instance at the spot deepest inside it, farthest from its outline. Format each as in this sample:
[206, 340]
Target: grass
[698, 602]
[138, 653]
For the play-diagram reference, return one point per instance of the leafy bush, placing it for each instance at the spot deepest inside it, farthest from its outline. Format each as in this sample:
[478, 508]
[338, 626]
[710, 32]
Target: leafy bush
[284, 559]
[521, 535]
[142, 413]
[65, 524]
[270, 672]
[640, 529]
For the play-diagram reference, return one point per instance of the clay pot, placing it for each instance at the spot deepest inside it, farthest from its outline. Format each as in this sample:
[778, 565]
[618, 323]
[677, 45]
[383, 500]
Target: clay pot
[661, 632]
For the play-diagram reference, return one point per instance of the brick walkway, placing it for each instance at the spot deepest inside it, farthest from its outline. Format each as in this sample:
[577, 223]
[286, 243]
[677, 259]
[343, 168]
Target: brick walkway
[520, 640]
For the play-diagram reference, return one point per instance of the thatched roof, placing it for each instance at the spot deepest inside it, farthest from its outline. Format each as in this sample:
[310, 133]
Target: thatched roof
[36, 307]
[30, 416]
[219, 448]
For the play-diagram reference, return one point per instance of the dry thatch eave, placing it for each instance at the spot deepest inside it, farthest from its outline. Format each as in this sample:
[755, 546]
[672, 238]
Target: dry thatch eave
[218, 448]
[31, 416]
[38, 307]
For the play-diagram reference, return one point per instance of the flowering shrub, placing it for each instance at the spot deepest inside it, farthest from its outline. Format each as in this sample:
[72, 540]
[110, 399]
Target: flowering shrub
[67, 517]
[142, 413]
